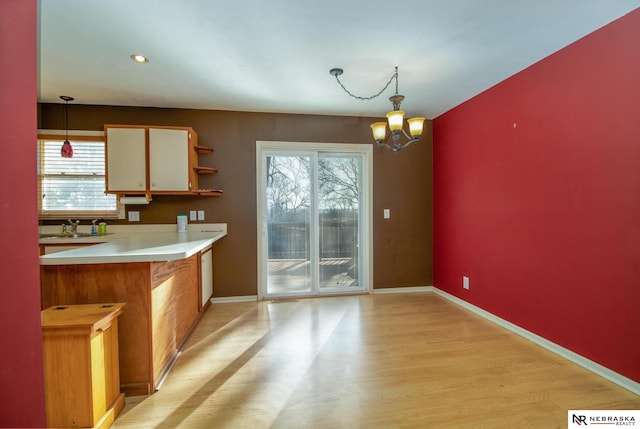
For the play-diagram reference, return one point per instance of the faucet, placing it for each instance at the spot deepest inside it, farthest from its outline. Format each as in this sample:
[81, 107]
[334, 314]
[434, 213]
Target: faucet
[74, 226]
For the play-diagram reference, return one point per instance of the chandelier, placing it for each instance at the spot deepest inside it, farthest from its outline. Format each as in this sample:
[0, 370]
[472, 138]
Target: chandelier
[395, 118]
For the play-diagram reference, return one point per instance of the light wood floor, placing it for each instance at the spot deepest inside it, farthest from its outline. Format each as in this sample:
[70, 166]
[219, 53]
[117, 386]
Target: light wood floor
[373, 361]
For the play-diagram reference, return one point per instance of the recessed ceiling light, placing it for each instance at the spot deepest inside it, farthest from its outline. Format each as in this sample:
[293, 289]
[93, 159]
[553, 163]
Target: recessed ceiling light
[139, 58]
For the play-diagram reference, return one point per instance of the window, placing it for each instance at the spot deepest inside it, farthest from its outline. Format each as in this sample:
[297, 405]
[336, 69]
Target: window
[74, 187]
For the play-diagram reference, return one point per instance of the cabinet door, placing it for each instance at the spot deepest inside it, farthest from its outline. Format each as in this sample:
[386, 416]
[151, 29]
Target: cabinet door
[169, 159]
[126, 166]
[206, 275]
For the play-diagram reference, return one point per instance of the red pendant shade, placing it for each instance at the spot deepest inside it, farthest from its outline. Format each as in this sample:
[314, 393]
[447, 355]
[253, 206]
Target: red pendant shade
[66, 151]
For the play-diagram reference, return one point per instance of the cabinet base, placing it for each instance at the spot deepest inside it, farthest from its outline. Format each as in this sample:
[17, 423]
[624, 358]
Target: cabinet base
[136, 389]
[111, 414]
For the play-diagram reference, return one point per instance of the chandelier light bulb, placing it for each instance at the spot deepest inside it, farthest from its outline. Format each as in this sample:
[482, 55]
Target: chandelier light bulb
[379, 130]
[415, 126]
[395, 118]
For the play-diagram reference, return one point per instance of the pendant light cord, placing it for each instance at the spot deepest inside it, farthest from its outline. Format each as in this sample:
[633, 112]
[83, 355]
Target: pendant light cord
[66, 99]
[66, 120]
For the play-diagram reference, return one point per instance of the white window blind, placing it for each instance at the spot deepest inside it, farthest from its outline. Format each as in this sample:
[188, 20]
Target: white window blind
[74, 187]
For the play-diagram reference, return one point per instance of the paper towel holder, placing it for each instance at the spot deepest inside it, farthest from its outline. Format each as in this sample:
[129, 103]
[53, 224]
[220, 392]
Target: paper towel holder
[134, 200]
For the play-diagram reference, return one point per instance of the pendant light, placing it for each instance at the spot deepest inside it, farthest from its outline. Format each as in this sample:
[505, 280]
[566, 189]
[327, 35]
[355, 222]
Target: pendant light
[66, 151]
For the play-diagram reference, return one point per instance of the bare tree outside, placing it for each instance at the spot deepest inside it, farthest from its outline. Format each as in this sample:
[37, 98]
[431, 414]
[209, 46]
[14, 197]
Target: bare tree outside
[339, 182]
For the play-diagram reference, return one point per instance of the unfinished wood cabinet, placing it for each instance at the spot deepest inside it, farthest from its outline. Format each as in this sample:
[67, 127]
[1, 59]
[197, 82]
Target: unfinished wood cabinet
[80, 351]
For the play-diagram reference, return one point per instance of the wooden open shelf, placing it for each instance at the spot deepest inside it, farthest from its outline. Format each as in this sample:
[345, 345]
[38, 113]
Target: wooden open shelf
[208, 192]
[203, 149]
[205, 170]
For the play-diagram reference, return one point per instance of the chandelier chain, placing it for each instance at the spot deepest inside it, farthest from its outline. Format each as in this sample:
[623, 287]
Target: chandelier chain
[395, 76]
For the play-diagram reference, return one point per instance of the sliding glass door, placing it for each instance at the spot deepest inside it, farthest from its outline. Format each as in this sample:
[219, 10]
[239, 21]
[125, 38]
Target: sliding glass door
[289, 224]
[339, 179]
[313, 223]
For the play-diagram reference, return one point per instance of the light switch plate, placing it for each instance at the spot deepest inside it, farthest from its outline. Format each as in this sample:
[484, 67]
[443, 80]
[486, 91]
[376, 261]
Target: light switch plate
[387, 213]
[200, 214]
[193, 215]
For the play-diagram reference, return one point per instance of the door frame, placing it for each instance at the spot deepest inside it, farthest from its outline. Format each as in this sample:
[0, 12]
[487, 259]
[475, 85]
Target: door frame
[366, 250]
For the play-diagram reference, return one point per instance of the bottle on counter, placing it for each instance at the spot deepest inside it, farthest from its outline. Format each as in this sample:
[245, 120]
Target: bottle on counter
[183, 224]
[102, 227]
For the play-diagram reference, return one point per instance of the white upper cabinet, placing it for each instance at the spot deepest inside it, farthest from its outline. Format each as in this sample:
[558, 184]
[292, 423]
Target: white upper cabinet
[126, 159]
[169, 152]
[147, 160]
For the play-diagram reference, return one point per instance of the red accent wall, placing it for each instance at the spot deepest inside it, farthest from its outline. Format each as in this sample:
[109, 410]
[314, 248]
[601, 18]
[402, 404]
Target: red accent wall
[537, 198]
[21, 371]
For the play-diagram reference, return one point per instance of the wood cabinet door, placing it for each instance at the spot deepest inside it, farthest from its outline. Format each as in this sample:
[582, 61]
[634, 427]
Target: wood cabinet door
[126, 164]
[169, 159]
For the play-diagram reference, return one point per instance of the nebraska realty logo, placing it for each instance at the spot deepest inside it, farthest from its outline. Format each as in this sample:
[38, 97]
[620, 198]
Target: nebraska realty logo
[582, 418]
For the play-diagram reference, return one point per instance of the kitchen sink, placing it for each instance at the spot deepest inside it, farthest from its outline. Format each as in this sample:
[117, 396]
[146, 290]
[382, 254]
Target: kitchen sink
[69, 235]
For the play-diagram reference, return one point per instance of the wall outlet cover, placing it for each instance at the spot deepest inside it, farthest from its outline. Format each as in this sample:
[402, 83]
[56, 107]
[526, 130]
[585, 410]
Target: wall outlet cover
[193, 215]
[465, 282]
[200, 214]
[134, 216]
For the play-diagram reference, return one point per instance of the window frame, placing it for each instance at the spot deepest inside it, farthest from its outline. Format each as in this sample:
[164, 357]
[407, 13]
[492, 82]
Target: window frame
[74, 136]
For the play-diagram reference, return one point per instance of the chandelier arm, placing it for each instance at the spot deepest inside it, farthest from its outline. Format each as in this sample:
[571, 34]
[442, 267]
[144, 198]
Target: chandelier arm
[410, 142]
[395, 76]
[384, 145]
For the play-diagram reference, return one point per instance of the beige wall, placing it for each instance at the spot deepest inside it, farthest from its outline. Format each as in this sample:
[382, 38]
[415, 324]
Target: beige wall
[402, 183]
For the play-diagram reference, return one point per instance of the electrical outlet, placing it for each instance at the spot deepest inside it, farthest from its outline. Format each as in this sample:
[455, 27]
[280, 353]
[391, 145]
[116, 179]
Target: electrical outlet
[193, 215]
[200, 214]
[465, 282]
[134, 216]
[387, 213]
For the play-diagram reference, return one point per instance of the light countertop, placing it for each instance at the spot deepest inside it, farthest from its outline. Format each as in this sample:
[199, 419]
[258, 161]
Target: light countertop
[140, 243]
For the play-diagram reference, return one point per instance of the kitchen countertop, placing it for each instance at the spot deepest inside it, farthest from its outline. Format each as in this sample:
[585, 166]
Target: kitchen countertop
[140, 243]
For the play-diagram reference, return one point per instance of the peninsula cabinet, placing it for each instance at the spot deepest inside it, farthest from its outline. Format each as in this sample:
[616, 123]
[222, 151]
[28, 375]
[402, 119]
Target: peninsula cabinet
[163, 306]
[80, 352]
[148, 160]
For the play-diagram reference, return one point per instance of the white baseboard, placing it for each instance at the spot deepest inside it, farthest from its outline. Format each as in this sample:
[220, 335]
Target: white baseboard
[588, 364]
[247, 298]
[403, 289]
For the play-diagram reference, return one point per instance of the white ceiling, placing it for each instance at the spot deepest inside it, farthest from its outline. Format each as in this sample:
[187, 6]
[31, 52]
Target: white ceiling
[275, 55]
